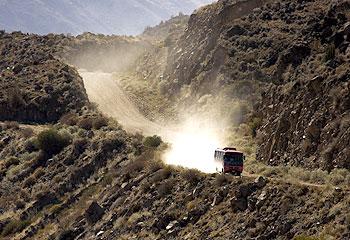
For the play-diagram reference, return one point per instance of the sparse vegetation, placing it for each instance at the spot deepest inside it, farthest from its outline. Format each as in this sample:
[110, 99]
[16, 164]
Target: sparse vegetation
[330, 52]
[15, 226]
[192, 176]
[165, 188]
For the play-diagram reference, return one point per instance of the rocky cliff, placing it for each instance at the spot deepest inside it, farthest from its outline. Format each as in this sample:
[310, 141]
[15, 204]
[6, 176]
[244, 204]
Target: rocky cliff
[35, 86]
[289, 59]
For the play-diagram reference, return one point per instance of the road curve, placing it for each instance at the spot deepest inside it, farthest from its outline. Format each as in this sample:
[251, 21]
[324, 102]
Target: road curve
[103, 90]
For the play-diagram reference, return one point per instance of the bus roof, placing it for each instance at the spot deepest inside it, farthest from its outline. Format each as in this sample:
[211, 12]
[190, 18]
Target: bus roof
[228, 151]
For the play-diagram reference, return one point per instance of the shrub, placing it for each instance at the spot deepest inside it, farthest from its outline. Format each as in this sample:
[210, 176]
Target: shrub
[85, 123]
[10, 125]
[254, 125]
[135, 166]
[15, 97]
[20, 204]
[154, 166]
[220, 180]
[39, 173]
[152, 142]
[15, 226]
[99, 122]
[69, 119]
[161, 175]
[30, 181]
[192, 176]
[330, 53]
[11, 162]
[145, 187]
[80, 145]
[165, 188]
[27, 132]
[52, 142]
[31, 145]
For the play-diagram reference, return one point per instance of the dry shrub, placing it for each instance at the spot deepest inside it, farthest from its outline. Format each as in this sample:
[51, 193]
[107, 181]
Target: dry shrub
[338, 176]
[145, 187]
[10, 125]
[27, 132]
[20, 204]
[39, 173]
[135, 166]
[193, 204]
[99, 122]
[15, 226]
[220, 180]
[154, 166]
[160, 175]
[318, 176]
[80, 145]
[192, 176]
[85, 123]
[15, 97]
[12, 161]
[30, 181]
[69, 119]
[165, 188]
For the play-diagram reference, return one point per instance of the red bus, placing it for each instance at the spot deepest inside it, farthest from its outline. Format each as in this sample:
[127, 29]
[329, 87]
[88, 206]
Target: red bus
[230, 159]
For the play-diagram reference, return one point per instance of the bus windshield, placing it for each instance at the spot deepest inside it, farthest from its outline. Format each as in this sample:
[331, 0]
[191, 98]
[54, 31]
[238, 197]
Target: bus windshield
[234, 159]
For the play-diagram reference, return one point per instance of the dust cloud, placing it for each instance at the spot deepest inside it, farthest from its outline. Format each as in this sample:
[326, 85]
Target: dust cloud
[192, 140]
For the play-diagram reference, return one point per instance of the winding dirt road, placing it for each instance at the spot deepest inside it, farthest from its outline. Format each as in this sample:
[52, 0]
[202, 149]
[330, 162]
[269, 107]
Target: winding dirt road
[103, 90]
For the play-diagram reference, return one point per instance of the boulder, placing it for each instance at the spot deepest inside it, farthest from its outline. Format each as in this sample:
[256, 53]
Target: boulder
[260, 181]
[94, 213]
[239, 204]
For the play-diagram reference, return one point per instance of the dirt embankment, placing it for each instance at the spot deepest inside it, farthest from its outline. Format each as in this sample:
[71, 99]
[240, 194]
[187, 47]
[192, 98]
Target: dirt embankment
[104, 90]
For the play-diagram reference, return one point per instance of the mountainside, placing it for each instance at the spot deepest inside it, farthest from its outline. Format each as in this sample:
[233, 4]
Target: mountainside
[276, 71]
[78, 16]
[286, 63]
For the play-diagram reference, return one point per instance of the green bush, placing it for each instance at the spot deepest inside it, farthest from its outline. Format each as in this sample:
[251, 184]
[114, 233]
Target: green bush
[52, 142]
[153, 141]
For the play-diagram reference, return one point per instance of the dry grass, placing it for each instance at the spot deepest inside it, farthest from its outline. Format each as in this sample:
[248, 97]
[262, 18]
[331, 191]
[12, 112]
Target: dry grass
[192, 176]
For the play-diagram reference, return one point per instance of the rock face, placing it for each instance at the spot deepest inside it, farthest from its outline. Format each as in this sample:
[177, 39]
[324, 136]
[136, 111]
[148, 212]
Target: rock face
[288, 59]
[35, 86]
[94, 213]
[306, 115]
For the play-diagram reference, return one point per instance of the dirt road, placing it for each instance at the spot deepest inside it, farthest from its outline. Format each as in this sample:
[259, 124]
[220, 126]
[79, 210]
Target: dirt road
[103, 90]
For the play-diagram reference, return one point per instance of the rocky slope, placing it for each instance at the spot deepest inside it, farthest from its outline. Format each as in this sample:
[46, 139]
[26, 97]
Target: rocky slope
[84, 177]
[288, 59]
[35, 86]
[106, 184]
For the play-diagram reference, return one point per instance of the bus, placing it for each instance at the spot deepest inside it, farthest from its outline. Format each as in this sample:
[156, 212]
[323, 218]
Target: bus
[230, 160]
